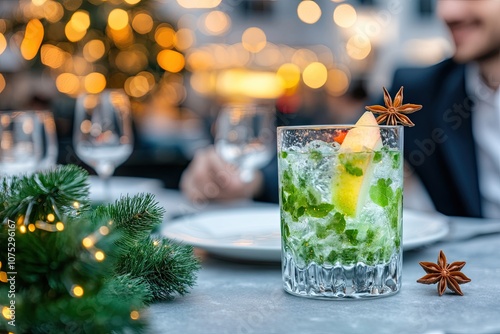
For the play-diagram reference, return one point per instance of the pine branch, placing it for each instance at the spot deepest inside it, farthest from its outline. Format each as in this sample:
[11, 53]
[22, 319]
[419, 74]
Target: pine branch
[134, 216]
[169, 268]
[55, 191]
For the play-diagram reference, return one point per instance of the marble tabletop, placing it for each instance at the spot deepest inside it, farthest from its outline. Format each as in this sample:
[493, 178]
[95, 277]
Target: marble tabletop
[236, 297]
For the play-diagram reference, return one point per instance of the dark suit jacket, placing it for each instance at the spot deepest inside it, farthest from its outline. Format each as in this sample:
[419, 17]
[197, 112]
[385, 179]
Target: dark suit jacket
[440, 147]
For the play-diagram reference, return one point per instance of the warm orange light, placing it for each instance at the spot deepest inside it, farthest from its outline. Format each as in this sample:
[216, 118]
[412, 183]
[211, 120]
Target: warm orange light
[3, 43]
[94, 82]
[216, 22]
[2, 83]
[344, 15]
[52, 56]
[80, 21]
[183, 39]
[137, 86]
[68, 83]
[76, 291]
[254, 39]
[337, 82]
[290, 74]
[315, 75]
[203, 82]
[53, 11]
[118, 19]
[309, 11]
[249, 84]
[200, 60]
[131, 61]
[59, 226]
[99, 256]
[358, 47]
[50, 217]
[134, 315]
[171, 60]
[164, 36]
[132, 2]
[94, 50]
[142, 23]
[32, 40]
[199, 3]
[72, 34]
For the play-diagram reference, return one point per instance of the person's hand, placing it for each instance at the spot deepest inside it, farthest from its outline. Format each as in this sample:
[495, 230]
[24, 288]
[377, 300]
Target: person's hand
[208, 177]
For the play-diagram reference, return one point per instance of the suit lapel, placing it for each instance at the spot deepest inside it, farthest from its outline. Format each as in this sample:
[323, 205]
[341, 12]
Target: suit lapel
[459, 147]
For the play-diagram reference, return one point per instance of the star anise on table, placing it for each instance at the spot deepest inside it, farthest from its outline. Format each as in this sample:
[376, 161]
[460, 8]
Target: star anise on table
[394, 112]
[446, 275]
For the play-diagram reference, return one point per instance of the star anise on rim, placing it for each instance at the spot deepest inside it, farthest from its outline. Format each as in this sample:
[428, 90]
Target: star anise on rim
[395, 111]
[446, 275]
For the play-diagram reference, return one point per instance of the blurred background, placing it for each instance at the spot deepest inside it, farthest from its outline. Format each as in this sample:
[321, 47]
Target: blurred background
[180, 60]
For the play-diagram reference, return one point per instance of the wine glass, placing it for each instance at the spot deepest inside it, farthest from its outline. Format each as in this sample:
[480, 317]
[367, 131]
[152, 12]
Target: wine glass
[244, 137]
[20, 142]
[49, 148]
[102, 133]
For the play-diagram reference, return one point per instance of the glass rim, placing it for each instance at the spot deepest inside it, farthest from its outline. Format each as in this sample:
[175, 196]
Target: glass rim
[335, 126]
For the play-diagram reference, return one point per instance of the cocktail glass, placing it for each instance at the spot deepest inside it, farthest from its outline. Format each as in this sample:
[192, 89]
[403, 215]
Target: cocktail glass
[341, 193]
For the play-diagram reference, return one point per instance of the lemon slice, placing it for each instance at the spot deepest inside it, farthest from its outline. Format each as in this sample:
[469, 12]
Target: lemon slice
[354, 170]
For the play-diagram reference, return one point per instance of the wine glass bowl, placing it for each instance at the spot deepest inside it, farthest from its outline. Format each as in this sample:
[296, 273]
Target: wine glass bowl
[103, 131]
[244, 137]
[20, 142]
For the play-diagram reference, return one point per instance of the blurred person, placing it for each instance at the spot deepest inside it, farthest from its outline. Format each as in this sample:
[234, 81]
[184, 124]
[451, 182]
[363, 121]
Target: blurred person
[454, 148]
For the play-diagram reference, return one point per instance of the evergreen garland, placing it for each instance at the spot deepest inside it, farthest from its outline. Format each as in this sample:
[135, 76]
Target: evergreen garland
[79, 269]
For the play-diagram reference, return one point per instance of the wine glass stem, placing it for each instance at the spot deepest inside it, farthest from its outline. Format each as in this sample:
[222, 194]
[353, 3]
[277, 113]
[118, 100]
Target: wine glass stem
[105, 171]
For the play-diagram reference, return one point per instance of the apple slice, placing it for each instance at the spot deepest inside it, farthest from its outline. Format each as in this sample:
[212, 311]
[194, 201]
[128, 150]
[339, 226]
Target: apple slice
[354, 169]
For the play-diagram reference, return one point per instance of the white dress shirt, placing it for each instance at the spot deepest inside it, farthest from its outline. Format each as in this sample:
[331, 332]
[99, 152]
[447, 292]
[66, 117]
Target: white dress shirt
[486, 132]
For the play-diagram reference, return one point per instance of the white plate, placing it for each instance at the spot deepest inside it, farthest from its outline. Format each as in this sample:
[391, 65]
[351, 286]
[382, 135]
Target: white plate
[254, 233]
[120, 186]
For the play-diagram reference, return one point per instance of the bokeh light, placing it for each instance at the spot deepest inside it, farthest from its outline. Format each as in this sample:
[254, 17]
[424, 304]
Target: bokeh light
[94, 82]
[337, 82]
[68, 83]
[358, 47]
[290, 74]
[77, 291]
[254, 39]
[32, 40]
[183, 39]
[171, 60]
[199, 3]
[344, 15]
[2, 83]
[164, 36]
[309, 11]
[94, 50]
[118, 19]
[3, 43]
[142, 23]
[315, 75]
[215, 23]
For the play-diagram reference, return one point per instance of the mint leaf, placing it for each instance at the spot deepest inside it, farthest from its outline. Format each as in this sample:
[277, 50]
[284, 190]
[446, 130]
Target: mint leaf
[349, 255]
[284, 155]
[396, 160]
[351, 236]
[370, 236]
[353, 170]
[319, 211]
[332, 257]
[382, 193]
[337, 223]
[377, 157]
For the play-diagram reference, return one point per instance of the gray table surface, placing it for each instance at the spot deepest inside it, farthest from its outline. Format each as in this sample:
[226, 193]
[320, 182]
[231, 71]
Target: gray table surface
[232, 297]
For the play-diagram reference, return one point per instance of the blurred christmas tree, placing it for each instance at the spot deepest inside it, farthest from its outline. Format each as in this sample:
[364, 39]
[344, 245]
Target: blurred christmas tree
[66, 268]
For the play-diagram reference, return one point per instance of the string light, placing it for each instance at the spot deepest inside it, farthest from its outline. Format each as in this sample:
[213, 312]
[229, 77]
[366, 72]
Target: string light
[31, 227]
[50, 217]
[59, 226]
[22, 229]
[99, 256]
[134, 315]
[104, 230]
[77, 291]
[87, 242]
